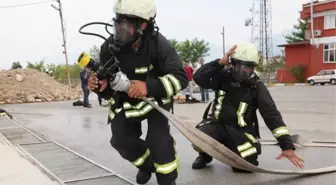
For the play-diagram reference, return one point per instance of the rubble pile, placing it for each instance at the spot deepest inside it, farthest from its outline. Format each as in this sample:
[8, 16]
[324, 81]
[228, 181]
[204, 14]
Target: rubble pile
[29, 86]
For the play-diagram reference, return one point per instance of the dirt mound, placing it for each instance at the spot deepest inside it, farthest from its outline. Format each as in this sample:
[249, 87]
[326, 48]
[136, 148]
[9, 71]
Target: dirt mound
[29, 86]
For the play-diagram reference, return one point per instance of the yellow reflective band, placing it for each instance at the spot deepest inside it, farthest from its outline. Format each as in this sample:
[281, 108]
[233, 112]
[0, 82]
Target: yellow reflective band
[111, 115]
[142, 70]
[221, 93]
[118, 110]
[141, 159]
[240, 114]
[175, 82]
[251, 137]
[280, 131]
[110, 102]
[167, 168]
[167, 85]
[127, 105]
[144, 110]
[245, 146]
[248, 152]
[218, 107]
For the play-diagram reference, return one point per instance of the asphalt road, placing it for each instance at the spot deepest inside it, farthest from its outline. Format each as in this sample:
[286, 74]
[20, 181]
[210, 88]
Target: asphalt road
[308, 111]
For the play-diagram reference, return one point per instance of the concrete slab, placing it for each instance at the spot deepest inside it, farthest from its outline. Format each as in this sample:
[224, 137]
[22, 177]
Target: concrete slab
[16, 170]
[308, 111]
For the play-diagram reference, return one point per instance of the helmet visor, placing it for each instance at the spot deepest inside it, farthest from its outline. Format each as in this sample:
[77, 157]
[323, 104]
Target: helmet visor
[242, 71]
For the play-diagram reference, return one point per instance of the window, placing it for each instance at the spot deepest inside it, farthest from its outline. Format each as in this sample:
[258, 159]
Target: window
[330, 73]
[329, 53]
[330, 21]
[321, 73]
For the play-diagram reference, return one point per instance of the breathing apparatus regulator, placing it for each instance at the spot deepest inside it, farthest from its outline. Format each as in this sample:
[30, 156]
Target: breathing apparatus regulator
[128, 28]
[244, 61]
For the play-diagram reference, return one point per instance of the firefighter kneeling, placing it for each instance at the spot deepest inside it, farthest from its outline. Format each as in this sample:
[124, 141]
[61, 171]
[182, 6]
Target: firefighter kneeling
[152, 65]
[239, 93]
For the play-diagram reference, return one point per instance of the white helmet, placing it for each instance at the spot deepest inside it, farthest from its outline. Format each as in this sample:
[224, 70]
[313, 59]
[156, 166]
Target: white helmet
[246, 52]
[145, 9]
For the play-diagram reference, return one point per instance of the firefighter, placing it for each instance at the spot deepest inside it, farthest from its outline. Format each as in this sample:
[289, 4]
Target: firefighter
[155, 70]
[238, 93]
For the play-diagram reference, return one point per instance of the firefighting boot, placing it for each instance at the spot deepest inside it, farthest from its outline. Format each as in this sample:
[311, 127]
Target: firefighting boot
[201, 161]
[143, 177]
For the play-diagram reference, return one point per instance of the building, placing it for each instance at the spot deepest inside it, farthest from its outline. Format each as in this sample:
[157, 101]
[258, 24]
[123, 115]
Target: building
[315, 58]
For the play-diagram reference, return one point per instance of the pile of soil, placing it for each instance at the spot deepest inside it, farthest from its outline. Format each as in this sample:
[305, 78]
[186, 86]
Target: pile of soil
[29, 86]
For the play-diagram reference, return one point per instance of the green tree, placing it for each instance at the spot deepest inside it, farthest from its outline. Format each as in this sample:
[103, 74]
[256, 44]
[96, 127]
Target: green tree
[184, 49]
[39, 66]
[260, 67]
[192, 51]
[16, 65]
[299, 32]
[273, 64]
[50, 69]
[94, 53]
[174, 43]
[200, 50]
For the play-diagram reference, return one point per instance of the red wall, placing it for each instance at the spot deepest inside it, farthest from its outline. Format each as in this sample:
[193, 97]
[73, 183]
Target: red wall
[303, 54]
[294, 55]
[316, 62]
[305, 13]
[319, 25]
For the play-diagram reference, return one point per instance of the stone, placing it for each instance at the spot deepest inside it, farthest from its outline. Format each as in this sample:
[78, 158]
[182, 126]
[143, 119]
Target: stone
[30, 99]
[19, 77]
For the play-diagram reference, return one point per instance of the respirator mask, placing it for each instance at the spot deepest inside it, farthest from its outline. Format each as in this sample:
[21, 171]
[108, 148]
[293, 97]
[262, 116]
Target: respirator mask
[126, 30]
[242, 70]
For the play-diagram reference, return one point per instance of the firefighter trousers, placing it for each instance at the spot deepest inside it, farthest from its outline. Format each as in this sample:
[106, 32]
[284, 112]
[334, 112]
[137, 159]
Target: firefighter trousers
[154, 154]
[239, 140]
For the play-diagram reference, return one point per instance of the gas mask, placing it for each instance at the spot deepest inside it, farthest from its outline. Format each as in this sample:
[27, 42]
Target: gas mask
[241, 70]
[126, 30]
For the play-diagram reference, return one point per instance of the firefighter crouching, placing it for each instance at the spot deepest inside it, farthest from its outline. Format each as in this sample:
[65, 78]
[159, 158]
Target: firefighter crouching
[238, 93]
[155, 70]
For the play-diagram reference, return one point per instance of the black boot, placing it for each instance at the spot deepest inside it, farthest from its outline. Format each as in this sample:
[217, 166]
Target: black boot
[201, 161]
[237, 170]
[143, 177]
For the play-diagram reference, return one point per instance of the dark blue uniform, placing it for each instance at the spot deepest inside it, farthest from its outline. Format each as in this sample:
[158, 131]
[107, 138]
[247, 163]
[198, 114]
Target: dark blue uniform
[85, 89]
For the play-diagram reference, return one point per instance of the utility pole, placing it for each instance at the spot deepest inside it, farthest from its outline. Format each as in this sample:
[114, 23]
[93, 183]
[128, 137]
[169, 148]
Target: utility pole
[59, 9]
[312, 22]
[223, 33]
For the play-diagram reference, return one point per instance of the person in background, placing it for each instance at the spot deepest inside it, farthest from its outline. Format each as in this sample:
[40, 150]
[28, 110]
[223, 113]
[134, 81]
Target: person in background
[204, 92]
[190, 72]
[84, 76]
[99, 99]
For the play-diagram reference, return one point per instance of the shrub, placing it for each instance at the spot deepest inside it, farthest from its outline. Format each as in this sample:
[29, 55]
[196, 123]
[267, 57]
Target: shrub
[298, 72]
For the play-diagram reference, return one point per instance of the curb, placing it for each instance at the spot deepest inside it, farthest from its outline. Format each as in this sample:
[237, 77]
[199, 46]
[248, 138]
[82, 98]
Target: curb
[287, 84]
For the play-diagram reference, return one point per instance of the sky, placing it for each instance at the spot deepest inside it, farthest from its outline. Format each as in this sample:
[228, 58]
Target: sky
[33, 33]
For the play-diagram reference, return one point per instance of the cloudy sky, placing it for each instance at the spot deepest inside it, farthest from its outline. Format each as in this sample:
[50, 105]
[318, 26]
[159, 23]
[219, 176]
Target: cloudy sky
[33, 33]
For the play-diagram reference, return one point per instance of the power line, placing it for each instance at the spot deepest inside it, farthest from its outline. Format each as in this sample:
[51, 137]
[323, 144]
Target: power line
[27, 4]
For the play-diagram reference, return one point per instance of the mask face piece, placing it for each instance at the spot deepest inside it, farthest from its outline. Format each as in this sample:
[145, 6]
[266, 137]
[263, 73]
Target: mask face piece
[125, 31]
[242, 71]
